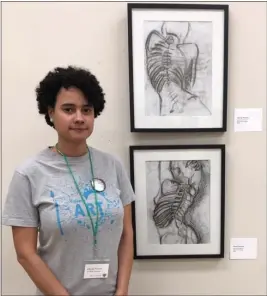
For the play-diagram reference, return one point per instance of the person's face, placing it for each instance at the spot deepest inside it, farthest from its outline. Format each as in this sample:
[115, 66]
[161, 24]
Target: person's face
[73, 118]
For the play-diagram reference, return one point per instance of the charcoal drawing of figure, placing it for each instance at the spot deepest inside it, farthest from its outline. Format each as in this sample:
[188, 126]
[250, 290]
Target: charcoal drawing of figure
[179, 211]
[178, 66]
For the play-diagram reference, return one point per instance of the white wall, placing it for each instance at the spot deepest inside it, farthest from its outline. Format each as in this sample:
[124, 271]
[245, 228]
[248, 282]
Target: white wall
[40, 36]
[1, 137]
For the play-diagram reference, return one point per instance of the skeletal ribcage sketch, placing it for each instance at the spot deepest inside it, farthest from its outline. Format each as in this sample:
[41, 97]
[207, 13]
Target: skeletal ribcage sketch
[178, 67]
[178, 196]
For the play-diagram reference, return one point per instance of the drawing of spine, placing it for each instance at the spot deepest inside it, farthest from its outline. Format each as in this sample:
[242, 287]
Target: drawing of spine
[176, 197]
[171, 207]
[185, 204]
[171, 67]
[192, 188]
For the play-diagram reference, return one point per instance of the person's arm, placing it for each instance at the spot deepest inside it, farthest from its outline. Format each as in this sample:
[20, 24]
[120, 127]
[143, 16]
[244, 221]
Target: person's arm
[25, 242]
[125, 254]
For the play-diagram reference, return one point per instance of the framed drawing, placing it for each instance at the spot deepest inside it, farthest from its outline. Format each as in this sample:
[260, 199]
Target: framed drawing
[178, 63]
[179, 206]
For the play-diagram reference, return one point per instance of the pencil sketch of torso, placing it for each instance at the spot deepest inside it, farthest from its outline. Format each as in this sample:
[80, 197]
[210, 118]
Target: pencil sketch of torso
[171, 65]
[177, 198]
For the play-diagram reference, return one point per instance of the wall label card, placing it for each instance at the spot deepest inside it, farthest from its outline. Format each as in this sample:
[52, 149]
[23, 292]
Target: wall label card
[248, 120]
[243, 248]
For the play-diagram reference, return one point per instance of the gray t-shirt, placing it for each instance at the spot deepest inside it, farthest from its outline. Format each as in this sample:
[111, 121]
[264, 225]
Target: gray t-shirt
[42, 194]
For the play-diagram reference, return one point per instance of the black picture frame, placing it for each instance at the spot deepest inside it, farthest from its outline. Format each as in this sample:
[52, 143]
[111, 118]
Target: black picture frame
[204, 108]
[206, 209]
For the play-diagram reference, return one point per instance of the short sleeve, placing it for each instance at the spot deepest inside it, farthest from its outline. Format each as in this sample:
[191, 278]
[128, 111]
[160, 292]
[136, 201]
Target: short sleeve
[19, 209]
[126, 189]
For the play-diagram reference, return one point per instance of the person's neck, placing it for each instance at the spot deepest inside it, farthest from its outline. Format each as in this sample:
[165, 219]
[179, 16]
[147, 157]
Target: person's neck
[72, 149]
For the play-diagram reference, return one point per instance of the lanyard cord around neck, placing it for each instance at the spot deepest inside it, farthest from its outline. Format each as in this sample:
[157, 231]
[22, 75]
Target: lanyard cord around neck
[94, 227]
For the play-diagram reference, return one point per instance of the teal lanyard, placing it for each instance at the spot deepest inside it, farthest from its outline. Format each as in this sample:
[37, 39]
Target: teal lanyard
[94, 227]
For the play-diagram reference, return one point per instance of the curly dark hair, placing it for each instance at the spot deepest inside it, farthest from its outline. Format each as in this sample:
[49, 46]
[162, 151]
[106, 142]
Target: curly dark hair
[71, 76]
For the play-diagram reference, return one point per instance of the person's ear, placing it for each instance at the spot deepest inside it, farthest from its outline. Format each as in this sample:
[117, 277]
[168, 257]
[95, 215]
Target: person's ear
[50, 114]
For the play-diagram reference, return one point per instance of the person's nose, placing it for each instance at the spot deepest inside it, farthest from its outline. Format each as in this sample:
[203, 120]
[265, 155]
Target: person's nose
[79, 117]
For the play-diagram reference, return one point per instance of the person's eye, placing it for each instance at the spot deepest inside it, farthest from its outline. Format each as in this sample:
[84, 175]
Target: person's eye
[68, 110]
[87, 110]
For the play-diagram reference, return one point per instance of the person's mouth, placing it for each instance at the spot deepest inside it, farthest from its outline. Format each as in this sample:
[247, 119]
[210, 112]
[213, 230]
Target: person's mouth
[79, 129]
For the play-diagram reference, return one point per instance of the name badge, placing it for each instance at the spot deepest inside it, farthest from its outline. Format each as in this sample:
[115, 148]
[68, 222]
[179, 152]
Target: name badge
[94, 270]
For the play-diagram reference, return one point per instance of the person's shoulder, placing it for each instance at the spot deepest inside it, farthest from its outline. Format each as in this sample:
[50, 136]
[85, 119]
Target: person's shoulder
[29, 165]
[107, 157]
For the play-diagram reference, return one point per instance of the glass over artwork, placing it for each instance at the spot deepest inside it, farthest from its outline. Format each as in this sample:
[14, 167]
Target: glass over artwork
[178, 67]
[179, 211]
[179, 206]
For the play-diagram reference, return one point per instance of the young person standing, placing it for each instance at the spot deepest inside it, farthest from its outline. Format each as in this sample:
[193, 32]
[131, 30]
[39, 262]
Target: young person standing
[73, 199]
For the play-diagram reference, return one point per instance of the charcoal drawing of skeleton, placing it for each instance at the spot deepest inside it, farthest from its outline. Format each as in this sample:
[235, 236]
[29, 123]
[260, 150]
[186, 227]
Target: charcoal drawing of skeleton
[173, 66]
[176, 213]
